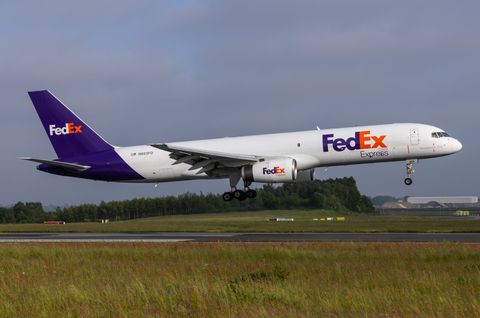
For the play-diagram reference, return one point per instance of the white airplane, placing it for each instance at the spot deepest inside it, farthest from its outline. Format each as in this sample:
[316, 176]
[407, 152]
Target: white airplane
[284, 158]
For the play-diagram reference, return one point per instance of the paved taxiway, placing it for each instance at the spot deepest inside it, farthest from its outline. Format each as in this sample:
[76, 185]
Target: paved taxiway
[239, 237]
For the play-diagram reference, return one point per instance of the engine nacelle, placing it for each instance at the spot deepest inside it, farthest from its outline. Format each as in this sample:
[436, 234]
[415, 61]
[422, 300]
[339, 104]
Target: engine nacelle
[305, 176]
[273, 171]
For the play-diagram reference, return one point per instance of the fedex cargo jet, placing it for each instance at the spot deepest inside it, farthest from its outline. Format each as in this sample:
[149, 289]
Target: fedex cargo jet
[284, 158]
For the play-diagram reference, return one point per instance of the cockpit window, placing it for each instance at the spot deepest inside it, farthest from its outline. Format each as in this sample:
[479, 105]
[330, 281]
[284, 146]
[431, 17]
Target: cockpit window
[439, 134]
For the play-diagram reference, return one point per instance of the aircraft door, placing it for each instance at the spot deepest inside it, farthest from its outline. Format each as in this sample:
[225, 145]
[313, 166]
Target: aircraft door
[414, 136]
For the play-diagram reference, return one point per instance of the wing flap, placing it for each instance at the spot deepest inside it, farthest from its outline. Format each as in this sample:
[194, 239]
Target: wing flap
[206, 159]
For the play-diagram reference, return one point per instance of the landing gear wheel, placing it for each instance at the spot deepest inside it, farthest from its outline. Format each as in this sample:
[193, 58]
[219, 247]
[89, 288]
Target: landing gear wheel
[227, 197]
[410, 162]
[239, 195]
[251, 194]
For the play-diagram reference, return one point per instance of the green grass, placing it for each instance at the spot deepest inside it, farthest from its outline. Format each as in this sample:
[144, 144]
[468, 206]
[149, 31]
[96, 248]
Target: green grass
[257, 222]
[239, 280]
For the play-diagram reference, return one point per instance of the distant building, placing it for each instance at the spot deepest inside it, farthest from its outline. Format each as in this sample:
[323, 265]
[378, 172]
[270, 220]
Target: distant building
[443, 200]
[397, 205]
[434, 203]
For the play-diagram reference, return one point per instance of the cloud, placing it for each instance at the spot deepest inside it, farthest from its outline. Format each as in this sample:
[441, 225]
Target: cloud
[158, 71]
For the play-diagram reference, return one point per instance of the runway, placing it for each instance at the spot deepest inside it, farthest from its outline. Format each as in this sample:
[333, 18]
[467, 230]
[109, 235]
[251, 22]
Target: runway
[240, 237]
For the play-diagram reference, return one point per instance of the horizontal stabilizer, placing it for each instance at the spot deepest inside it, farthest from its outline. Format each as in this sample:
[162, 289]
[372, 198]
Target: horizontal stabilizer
[65, 165]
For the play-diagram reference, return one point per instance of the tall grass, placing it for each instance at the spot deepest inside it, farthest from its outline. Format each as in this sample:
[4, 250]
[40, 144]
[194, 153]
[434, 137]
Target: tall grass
[239, 280]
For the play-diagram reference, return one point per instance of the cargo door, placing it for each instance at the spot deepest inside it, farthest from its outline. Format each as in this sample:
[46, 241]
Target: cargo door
[414, 136]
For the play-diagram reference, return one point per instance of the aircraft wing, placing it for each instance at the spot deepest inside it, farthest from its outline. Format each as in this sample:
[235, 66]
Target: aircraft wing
[65, 165]
[205, 159]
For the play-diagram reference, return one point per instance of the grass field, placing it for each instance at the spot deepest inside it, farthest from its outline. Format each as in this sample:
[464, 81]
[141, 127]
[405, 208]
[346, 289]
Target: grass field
[257, 222]
[239, 280]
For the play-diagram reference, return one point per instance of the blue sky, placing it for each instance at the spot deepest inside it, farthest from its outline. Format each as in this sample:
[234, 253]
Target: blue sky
[159, 71]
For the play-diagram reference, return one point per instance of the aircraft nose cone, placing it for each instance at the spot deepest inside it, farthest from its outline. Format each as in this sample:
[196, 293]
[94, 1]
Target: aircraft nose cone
[456, 145]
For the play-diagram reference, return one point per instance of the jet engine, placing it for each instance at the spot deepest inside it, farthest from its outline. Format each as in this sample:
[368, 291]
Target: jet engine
[273, 171]
[304, 176]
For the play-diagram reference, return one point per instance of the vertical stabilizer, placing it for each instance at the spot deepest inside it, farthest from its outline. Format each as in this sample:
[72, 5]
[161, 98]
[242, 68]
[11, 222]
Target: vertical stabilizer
[69, 135]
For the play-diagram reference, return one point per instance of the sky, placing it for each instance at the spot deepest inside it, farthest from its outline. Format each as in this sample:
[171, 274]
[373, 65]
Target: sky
[156, 71]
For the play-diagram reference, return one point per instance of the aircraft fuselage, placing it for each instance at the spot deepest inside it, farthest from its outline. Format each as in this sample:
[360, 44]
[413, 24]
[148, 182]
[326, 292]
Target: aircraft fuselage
[285, 157]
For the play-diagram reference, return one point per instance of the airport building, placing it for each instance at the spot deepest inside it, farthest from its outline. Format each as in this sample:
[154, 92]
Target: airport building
[443, 200]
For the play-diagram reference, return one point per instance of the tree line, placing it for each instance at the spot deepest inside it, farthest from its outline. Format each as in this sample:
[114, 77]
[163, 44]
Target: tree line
[339, 194]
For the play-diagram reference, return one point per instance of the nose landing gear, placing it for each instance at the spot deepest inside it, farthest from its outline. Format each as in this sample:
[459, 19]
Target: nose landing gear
[410, 162]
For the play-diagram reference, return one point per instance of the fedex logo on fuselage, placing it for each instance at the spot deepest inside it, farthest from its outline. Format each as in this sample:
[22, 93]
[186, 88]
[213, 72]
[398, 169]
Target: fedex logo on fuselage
[275, 170]
[362, 140]
[68, 129]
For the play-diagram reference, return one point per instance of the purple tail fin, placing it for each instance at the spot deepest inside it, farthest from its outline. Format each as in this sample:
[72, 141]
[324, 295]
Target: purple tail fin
[69, 135]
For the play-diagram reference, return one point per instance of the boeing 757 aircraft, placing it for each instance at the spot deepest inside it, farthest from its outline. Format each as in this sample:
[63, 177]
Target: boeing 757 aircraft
[284, 158]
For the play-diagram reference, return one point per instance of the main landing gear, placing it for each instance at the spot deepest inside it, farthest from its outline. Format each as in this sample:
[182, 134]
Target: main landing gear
[240, 195]
[410, 162]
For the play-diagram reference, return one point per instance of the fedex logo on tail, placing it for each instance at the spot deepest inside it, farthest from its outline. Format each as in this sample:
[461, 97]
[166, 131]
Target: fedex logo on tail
[68, 129]
[275, 170]
[362, 140]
